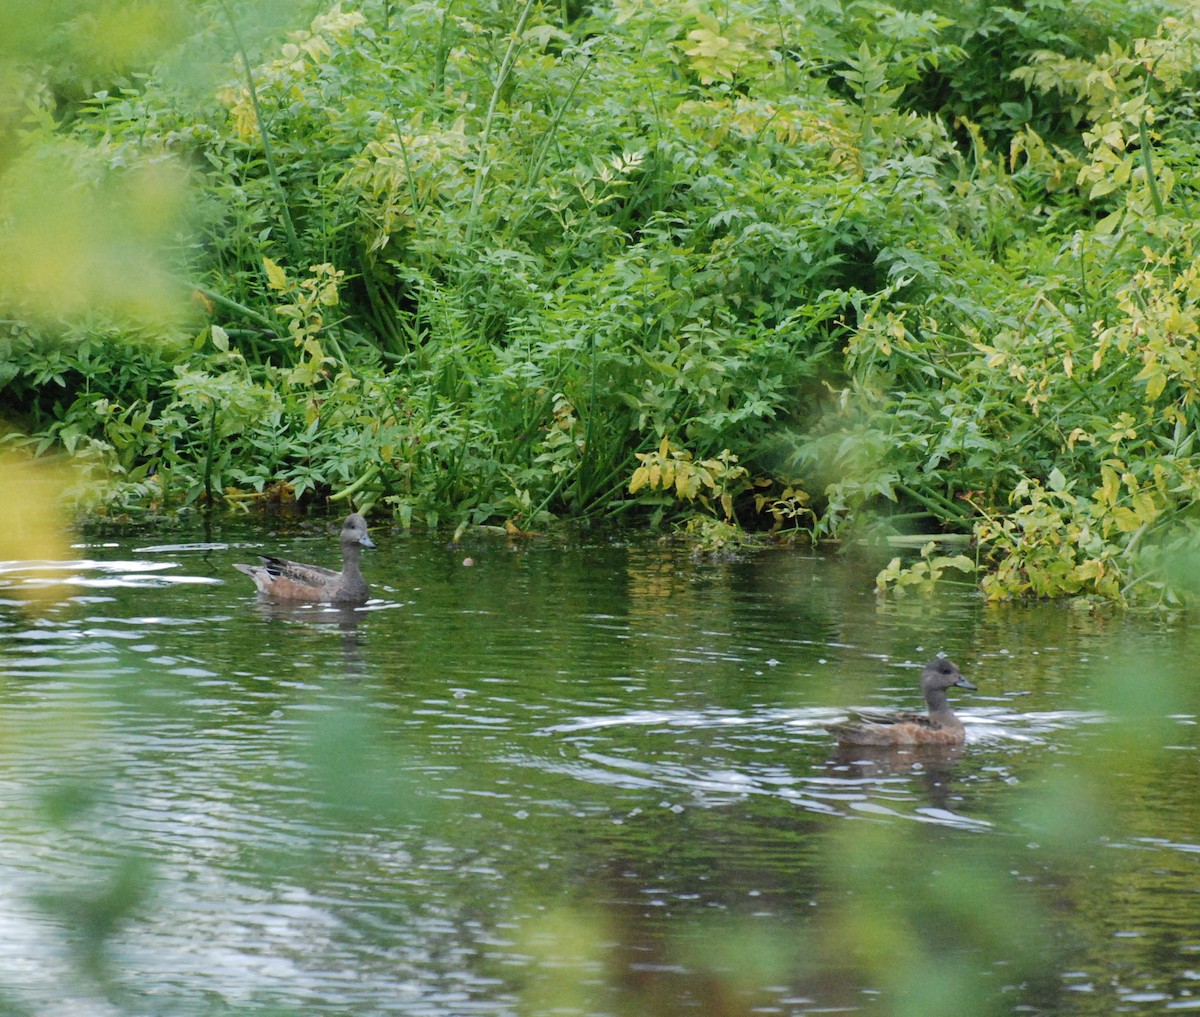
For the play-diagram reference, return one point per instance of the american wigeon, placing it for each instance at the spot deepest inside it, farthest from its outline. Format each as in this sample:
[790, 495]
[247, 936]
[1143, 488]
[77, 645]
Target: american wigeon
[941, 727]
[281, 579]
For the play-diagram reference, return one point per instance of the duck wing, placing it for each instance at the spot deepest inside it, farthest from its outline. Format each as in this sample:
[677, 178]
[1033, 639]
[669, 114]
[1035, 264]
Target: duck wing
[309, 575]
[886, 718]
[879, 727]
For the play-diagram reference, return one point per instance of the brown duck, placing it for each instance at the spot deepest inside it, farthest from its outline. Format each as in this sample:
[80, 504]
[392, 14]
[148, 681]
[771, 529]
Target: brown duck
[940, 727]
[281, 579]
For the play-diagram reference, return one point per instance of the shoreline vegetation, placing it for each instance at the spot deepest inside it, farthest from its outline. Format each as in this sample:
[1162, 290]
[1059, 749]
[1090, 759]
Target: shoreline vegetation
[831, 270]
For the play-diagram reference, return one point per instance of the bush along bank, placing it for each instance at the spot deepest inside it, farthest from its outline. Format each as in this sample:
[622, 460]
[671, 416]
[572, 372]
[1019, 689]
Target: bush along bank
[837, 273]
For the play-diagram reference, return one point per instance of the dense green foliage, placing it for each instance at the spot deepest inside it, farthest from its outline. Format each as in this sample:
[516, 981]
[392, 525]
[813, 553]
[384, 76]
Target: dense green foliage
[831, 266]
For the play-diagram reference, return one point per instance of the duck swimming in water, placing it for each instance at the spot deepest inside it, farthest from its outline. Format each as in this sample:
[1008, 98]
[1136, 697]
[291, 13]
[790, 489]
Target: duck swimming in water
[939, 727]
[296, 582]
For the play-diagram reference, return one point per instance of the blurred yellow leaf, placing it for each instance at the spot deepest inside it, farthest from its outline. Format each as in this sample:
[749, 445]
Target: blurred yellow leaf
[33, 529]
[79, 237]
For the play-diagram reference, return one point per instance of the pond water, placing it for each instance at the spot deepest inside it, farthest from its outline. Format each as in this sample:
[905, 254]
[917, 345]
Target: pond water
[579, 777]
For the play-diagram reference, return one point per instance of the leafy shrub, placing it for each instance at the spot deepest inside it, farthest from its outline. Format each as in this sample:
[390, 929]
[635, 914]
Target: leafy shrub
[908, 267]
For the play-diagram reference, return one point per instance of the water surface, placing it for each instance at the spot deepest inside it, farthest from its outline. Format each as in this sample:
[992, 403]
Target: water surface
[584, 776]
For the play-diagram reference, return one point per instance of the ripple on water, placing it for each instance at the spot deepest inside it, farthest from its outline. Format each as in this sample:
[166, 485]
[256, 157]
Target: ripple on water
[98, 575]
[619, 735]
[654, 749]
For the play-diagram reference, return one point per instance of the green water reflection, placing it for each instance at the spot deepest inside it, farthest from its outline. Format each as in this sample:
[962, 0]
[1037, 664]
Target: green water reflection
[581, 778]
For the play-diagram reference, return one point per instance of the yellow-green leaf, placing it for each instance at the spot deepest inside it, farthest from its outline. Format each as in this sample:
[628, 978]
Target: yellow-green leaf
[276, 276]
[1126, 519]
[1145, 507]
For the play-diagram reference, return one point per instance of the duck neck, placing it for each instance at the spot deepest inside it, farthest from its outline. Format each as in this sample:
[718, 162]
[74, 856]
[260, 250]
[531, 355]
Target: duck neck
[939, 707]
[350, 553]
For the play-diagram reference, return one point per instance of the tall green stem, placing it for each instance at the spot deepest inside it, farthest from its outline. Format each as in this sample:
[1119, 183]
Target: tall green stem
[481, 165]
[268, 153]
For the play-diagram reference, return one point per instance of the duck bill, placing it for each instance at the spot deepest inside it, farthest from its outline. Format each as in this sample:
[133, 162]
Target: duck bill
[962, 683]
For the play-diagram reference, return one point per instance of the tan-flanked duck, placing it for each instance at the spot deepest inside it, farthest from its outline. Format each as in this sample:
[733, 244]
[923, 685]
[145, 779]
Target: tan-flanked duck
[940, 727]
[281, 579]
